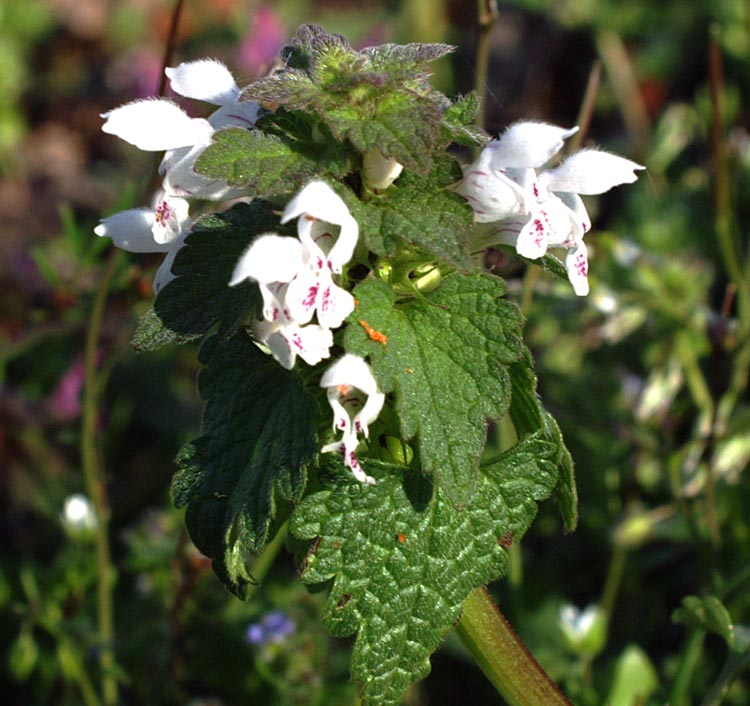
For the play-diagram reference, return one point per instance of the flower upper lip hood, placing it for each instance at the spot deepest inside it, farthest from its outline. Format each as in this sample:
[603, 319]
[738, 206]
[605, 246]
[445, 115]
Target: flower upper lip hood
[347, 377]
[319, 202]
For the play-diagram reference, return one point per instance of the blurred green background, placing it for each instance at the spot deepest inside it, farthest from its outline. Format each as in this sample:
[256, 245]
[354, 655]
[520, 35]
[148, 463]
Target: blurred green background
[648, 376]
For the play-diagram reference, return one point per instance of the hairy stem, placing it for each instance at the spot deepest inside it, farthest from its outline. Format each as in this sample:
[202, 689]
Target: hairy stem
[502, 656]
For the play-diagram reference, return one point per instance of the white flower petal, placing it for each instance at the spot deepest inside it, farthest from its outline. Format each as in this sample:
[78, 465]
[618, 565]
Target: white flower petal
[369, 413]
[527, 144]
[334, 304]
[379, 171]
[205, 79]
[532, 240]
[350, 371]
[591, 172]
[235, 114]
[170, 217]
[577, 265]
[318, 201]
[270, 258]
[131, 231]
[495, 194]
[164, 274]
[311, 343]
[302, 296]
[155, 125]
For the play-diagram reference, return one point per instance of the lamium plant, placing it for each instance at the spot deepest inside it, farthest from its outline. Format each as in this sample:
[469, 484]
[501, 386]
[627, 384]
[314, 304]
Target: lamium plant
[354, 347]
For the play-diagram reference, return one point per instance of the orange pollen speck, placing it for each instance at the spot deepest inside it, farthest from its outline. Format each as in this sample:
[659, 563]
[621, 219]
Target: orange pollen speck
[344, 389]
[308, 217]
[372, 333]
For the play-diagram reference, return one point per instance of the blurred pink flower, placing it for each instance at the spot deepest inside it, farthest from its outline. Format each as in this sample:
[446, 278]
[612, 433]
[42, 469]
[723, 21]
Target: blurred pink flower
[261, 45]
[65, 400]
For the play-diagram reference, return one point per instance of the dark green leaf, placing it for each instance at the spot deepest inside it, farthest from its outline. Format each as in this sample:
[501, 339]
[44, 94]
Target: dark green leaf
[446, 358]
[200, 297]
[257, 438]
[403, 558]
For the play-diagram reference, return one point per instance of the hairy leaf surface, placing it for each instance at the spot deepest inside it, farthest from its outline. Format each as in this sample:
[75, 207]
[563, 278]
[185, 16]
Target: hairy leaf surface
[200, 298]
[446, 358]
[257, 438]
[403, 558]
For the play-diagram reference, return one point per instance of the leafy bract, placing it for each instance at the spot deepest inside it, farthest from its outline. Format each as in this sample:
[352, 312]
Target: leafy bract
[446, 358]
[257, 438]
[199, 297]
[376, 98]
[403, 558]
[459, 122]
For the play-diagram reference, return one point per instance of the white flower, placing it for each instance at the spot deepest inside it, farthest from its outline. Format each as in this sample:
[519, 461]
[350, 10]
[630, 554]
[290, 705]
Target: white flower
[286, 340]
[159, 125]
[78, 514]
[321, 213]
[329, 234]
[534, 211]
[501, 183]
[346, 382]
[143, 230]
[295, 276]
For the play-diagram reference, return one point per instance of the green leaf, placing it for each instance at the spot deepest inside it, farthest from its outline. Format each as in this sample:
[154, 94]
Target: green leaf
[403, 558]
[200, 297]
[459, 122]
[151, 334]
[529, 417]
[268, 164]
[421, 212]
[446, 358]
[257, 437]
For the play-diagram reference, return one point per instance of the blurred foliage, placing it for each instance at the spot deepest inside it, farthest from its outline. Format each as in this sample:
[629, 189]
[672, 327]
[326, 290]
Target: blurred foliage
[648, 377]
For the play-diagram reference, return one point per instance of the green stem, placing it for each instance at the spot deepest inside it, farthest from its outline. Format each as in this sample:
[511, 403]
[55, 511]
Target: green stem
[728, 247]
[734, 666]
[502, 656]
[97, 491]
[486, 15]
[692, 656]
[614, 579]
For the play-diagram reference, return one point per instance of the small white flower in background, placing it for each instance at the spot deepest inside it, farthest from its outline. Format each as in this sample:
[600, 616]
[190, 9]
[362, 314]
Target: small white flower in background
[536, 210]
[295, 276]
[356, 401]
[78, 514]
[585, 631]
